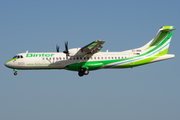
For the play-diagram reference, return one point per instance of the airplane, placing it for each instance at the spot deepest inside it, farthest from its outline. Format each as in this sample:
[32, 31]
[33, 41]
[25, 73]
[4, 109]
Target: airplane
[90, 58]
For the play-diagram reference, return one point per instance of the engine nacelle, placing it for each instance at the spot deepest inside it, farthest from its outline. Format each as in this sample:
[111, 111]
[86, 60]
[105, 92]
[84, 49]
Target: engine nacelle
[76, 52]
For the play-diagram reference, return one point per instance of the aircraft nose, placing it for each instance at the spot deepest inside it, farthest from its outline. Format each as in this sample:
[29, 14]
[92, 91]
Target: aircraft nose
[7, 64]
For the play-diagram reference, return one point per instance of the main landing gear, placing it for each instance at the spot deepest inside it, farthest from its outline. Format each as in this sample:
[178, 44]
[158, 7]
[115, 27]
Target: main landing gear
[15, 73]
[83, 71]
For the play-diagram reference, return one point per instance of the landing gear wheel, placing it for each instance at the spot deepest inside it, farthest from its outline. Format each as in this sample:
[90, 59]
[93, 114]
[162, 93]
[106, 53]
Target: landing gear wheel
[81, 73]
[86, 72]
[15, 73]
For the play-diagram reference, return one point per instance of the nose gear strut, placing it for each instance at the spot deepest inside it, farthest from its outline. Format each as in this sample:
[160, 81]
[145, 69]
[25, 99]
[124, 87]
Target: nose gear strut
[15, 71]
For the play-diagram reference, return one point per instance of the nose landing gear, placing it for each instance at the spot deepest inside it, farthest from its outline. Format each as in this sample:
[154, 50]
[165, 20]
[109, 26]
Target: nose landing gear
[15, 73]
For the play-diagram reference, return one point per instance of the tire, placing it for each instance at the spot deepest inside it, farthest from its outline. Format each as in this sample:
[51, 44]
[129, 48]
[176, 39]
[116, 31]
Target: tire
[15, 73]
[80, 73]
[86, 72]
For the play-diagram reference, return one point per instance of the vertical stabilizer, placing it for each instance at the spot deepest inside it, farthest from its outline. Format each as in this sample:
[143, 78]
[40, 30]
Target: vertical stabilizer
[160, 41]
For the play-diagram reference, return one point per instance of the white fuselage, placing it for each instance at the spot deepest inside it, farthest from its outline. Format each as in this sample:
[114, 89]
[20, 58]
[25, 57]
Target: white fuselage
[59, 60]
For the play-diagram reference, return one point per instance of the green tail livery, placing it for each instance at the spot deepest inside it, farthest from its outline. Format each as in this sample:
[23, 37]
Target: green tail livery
[90, 58]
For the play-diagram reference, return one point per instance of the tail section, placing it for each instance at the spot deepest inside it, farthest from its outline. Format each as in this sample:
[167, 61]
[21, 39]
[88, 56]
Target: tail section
[162, 33]
[156, 49]
[161, 40]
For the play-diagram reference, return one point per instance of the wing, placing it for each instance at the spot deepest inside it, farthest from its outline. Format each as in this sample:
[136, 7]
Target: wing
[93, 47]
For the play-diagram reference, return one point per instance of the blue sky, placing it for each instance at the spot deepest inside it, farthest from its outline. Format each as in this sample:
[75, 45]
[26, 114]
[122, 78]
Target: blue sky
[145, 92]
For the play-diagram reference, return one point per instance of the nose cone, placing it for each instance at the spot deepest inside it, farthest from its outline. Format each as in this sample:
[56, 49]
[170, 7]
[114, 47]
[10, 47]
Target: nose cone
[7, 64]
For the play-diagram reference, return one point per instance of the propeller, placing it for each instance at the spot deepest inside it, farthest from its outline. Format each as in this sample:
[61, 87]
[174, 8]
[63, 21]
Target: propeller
[66, 51]
[57, 48]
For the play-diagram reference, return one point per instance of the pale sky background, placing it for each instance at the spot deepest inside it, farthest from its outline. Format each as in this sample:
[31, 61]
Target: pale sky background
[149, 92]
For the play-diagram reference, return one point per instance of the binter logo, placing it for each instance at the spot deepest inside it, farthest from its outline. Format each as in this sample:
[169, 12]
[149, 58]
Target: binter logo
[38, 55]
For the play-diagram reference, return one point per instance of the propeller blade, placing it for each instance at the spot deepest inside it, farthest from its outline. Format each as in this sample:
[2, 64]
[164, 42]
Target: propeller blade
[66, 47]
[57, 48]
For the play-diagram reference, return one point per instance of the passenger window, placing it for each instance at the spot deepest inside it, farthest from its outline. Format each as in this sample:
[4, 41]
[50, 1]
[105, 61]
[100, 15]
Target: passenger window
[57, 58]
[105, 57]
[102, 58]
[94, 57]
[74, 58]
[98, 58]
[49, 58]
[109, 58]
[87, 57]
[115, 57]
[84, 58]
[53, 58]
[122, 57]
[63, 58]
[46, 58]
[77, 58]
[119, 58]
[80, 58]
[112, 57]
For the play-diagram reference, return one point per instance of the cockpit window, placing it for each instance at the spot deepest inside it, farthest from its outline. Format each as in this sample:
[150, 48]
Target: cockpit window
[18, 56]
[15, 57]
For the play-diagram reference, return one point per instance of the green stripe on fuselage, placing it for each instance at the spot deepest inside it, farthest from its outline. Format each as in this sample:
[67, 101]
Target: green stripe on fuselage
[12, 59]
[143, 61]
